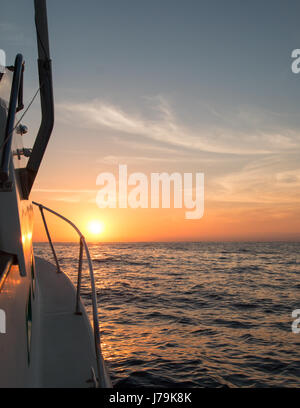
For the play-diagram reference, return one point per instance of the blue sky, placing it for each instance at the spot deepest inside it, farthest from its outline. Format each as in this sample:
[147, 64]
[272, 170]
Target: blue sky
[222, 52]
[170, 86]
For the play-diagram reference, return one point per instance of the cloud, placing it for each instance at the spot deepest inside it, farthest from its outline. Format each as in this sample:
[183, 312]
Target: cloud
[249, 156]
[115, 160]
[166, 128]
[56, 190]
[67, 199]
[289, 178]
[67, 195]
[261, 181]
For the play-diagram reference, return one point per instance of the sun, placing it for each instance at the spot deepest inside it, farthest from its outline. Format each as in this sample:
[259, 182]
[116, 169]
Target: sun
[95, 227]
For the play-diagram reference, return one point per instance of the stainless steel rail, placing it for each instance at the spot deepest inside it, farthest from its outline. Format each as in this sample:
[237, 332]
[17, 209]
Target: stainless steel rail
[83, 244]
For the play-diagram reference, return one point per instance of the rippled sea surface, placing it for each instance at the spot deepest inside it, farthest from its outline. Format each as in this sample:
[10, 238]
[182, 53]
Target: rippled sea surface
[194, 314]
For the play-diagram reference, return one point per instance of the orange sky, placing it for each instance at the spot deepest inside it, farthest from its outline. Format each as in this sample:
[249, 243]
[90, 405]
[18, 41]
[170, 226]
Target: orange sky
[220, 222]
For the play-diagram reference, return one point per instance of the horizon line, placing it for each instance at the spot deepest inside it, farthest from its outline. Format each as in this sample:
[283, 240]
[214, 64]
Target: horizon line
[172, 241]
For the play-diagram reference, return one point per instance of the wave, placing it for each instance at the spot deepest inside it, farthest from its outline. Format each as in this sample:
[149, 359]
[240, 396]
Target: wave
[117, 260]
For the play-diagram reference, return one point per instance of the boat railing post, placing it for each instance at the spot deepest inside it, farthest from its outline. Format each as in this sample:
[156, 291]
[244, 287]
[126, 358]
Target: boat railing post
[77, 311]
[97, 338]
[49, 238]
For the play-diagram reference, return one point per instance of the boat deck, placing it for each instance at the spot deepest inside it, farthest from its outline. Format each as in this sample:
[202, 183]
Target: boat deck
[66, 353]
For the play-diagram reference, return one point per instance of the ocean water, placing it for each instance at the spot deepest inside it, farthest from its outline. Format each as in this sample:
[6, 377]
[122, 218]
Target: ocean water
[194, 314]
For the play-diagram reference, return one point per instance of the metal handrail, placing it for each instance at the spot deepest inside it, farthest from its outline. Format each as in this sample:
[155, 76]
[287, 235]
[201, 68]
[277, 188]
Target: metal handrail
[14, 97]
[83, 244]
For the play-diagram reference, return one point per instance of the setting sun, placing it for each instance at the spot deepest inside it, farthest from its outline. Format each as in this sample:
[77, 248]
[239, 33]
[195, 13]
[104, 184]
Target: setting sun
[95, 227]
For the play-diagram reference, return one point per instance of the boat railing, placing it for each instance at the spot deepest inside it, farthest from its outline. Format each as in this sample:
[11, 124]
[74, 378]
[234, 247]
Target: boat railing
[82, 245]
[15, 104]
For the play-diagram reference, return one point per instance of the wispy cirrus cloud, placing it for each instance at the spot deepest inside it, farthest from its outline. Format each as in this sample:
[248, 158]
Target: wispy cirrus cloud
[115, 160]
[71, 196]
[71, 200]
[217, 138]
[62, 190]
[253, 160]
[264, 181]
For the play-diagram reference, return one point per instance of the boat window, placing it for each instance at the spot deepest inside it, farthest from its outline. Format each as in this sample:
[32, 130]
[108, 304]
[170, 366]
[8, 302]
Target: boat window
[5, 85]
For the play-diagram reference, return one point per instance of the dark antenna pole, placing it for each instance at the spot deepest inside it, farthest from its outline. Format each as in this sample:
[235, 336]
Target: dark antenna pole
[46, 97]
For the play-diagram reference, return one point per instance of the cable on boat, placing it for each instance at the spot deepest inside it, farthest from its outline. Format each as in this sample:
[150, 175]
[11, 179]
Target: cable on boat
[22, 116]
